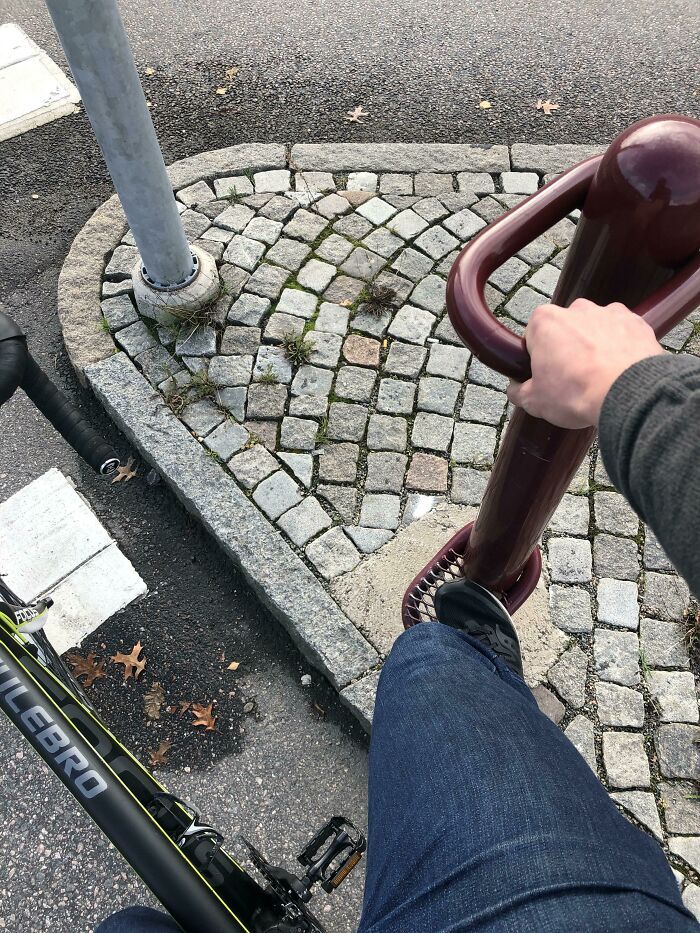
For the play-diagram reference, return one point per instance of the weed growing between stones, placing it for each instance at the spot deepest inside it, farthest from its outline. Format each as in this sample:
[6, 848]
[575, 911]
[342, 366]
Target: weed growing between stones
[268, 376]
[199, 387]
[297, 348]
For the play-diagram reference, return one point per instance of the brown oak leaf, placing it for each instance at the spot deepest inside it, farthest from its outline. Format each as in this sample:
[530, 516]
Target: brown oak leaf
[357, 115]
[153, 701]
[157, 755]
[184, 706]
[89, 668]
[203, 716]
[546, 106]
[133, 667]
[125, 472]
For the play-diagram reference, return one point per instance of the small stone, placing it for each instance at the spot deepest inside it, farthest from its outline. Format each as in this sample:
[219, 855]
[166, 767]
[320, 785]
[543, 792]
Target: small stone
[478, 182]
[412, 324]
[382, 242]
[342, 498]
[433, 183]
[663, 643]
[361, 350]
[271, 360]
[468, 485]
[617, 603]
[362, 264]
[450, 362]
[196, 340]
[616, 656]
[674, 692]
[580, 733]
[376, 210]
[314, 181]
[571, 516]
[267, 281]
[305, 226]
[437, 242]
[437, 395]
[431, 209]
[263, 432]
[298, 433]
[275, 180]
[235, 184]
[407, 224]
[387, 433]
[332, 318]
[385, 472]
[235, 218]
[362, 181]
[675, 339]
[233, 399]
[312, 380]
[325, 349]
[334, 249]
[568, 677]
[570, 560]
[110, 289]
[507, 276]
[688, 848]
[428, 473]
[344, 290]
[305, 521]
[380, 511]
[280, 326]
[395, 397]
[244, 252]
[355, 383]
[691, 900]
[263, 229]
[432, 432]
[405, 359]
[338, 463]
[196, 194]
[228, 438]
[655, 558]
[333, 553]
[233, 279]
[483, 405]
[288, 253]
[545, 280]
[266, 401]
[678, 751]
[464, 224]
[298, 303]
[352, 226]
[301, 465]
[550, 705]
[201, 417]
[123, 260]
[316, 275]
[196, 364]
[643, 808]
[681, 804]
[519, 182]
[371, 322]
[276, 494]
[368, 540]
[488, 208]
[308, 406]
[119, 312]
[430, 294]
[218, 236]
[231, 370]
[665, 597]
[412, 264]
[346, 422]
[523, 303]
[474, 444]
[248, 310]
[135, 338]
[613, 514]
[580, 484]
[253, 465]
[194, 224]
[619, 706]
[391, 183]
[332, 205]
[484, 376]
[615, 557]
[240, 340]
[570, 609]
[537, 251]
[625, 759]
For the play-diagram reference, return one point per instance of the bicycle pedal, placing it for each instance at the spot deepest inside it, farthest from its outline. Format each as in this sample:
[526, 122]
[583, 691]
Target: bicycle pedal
[333, 853]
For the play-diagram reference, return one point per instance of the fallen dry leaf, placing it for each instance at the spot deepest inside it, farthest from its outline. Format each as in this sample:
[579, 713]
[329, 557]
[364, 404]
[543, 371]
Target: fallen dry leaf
[203, 716]
[546, 106]
[232, 72]
[153, 701]
[233, 666]
[356, 115]
[89, 668]
[157, 755]
[125, 472]
[133, 667]
[485, 105]
[222, 90]
[184, 706]
[149, 71]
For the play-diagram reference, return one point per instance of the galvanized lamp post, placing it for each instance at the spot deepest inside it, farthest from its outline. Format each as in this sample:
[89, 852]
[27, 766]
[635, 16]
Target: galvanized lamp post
[637, 243]
[95, 43]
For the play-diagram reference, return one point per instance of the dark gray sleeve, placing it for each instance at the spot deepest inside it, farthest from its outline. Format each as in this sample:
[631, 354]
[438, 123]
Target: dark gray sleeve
[649, 436]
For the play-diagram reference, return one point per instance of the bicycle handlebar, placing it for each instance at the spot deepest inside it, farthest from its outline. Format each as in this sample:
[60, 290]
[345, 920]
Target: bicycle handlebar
[18, 369]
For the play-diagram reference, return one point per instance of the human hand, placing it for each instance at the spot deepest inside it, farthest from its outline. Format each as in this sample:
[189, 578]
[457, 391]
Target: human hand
[577, 353]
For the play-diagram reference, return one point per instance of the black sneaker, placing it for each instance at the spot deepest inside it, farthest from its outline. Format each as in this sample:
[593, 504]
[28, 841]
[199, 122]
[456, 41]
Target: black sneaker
[467, 606]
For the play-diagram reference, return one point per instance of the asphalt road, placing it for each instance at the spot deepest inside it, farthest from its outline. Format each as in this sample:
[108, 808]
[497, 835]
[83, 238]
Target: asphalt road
[420, 71]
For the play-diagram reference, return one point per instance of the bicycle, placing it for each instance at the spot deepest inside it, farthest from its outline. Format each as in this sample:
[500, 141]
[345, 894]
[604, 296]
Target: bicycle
[178, 856]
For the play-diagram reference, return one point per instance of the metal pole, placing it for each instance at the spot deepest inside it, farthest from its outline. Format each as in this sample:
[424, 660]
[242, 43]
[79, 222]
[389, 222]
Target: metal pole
[640, 224]
[97, 48]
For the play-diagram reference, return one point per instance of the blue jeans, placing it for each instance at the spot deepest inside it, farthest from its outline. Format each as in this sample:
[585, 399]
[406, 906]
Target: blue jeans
[482, 814]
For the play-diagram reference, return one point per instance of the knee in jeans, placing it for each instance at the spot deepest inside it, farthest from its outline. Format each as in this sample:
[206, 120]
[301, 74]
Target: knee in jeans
[417, 643]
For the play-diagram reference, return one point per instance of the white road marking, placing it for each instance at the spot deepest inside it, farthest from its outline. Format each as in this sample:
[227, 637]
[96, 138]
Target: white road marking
[33, 89]
[51, 542]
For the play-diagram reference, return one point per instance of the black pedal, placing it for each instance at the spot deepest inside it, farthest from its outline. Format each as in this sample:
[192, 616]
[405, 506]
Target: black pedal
[332, 854]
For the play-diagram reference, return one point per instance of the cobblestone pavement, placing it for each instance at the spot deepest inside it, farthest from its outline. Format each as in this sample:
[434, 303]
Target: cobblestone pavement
[386, 415]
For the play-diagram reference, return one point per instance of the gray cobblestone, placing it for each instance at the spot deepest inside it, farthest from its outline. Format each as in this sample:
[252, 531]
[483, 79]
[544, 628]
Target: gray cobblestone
[450, 362]
[663, 643]
[316, 275]
[369, 322]
[332, 318]
[681, 807]
[368, 540]
[394, 183]
[333, 205]
[382, 242]
[342, 498]
[615, 557]
[267, 281]
[395, 397]
[387, 433]
[570, 560]
[437, 395]
[407, 224]
[252, 466]
[464, 224]
[523, 303]
[674, 692]
[376, 210]
[299, 303]
[507, 276]
[263, 229]
[119, 312]
[334, 249]
[266, 401]
[233, 184]
[549, 704]
[326, 349]
[385, 472]
[276, 494]
[227, 439]
[202, 416]
[655, 558]
[312, 380]
[570, 608]
[280, 325]
[568, 676]
[123, 260]
[288, 253]
[616, 656]
[344, 289]
[333, 554]
[619, 706]
[580, 733]
[352, 226]
[571, 516]
[678, 751]
[278, 208]
[642, 806]
[613, 514]
[305, 226]
[432, 432]
[474, 444]
[432, 183]
[233, 399]
[412, 264]
[235, 218]
[347, 422]
[405, 359]
[485, 376]
[362, 181]
[240, 340]
[135, 338]
[298, 433]
[230, 370]
[362, 264]
[617, 603]
[338, 463]
[468, 485]
[625, 760]
[483, 405]
[519, 182]
[233, 278]
[314, 181]
[478, 182]
[194, 224]
[545, 279]
[665, 596]
[380, 510]
[272, 181]
[304, 521]
[355, 383]
[537, 251]
[301, 465]
[244, 252]
[430, 294]
[437, 242]
[272, 359]
[412, 324]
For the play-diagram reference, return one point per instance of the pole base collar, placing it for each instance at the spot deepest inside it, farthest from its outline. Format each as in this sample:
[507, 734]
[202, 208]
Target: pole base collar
[164, 305]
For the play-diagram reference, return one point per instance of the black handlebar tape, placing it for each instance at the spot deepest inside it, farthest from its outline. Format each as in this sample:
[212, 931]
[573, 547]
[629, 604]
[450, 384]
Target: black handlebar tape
[67, 419]
[13, 359]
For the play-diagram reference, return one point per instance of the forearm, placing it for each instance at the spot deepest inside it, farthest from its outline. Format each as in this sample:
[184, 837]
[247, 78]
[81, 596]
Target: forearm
[650, 441]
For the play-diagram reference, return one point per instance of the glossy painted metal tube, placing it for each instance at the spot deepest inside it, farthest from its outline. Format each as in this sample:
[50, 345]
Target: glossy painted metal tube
[637, 243]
